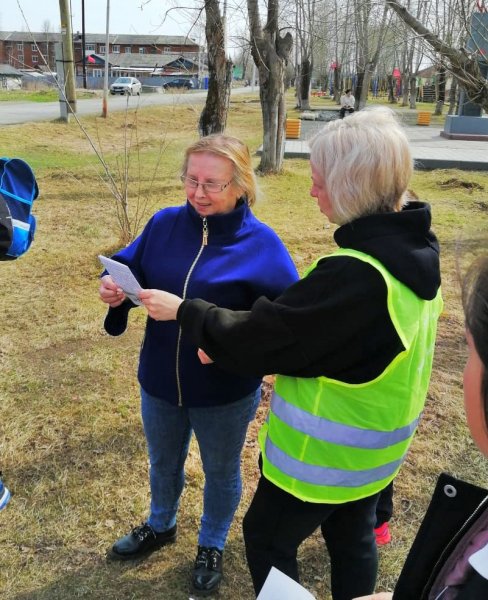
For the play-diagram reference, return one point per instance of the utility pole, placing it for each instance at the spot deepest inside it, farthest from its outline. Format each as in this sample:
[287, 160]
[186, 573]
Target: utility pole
[83, 44]
[68, 63]
[105, 75]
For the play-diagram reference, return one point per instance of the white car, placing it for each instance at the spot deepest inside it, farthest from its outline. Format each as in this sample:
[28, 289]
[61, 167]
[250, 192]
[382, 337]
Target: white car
[126, 85]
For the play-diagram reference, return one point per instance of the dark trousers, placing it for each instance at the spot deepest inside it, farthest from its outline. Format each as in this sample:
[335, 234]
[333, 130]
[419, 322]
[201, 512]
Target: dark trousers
[384, 506]
[277, 523]
[343, 111]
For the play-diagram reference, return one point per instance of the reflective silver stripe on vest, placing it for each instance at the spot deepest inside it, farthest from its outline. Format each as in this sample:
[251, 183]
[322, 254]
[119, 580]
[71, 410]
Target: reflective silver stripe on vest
[326, 475]
[338, 433]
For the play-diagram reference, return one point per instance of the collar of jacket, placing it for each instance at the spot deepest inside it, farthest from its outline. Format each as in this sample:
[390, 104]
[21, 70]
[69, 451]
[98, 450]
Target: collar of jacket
[223, 226]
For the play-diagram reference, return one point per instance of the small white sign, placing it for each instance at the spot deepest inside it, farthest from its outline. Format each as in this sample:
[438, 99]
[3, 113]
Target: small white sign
[279, 586]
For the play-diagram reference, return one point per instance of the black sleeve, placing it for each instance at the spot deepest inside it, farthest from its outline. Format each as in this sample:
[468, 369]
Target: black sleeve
[115, 322]
[334, 322]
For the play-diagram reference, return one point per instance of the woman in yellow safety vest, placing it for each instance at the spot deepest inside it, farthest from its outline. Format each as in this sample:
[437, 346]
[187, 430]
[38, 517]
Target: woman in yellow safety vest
[353, 344]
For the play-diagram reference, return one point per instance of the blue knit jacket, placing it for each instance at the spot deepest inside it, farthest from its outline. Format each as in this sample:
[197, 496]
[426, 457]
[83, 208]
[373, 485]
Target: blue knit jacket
[242, 260]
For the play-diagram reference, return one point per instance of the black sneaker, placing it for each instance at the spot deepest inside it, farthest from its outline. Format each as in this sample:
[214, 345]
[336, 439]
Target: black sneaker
[207, 571]
[141, 542]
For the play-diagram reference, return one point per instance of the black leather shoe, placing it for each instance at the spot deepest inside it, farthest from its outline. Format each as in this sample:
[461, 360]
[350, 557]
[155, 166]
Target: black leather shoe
[141, 542]
[207, 571]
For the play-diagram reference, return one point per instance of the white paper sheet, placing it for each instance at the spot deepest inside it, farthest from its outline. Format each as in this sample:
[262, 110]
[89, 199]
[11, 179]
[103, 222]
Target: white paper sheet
[279, 586]
[123, 277]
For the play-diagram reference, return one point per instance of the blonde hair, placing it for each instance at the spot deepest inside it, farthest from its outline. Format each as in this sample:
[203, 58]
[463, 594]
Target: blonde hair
[237, 152]
[366, 163]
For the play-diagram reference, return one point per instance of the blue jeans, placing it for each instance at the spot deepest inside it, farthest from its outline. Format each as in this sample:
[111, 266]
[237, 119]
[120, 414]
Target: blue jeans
[220, 432]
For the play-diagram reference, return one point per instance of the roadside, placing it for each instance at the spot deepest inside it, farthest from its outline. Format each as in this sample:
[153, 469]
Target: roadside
[12, 113]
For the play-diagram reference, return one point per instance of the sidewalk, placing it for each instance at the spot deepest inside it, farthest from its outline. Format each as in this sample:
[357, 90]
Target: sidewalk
[429, 149]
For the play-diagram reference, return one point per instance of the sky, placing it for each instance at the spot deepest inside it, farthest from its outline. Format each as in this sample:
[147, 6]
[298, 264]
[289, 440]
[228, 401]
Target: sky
[126, 16]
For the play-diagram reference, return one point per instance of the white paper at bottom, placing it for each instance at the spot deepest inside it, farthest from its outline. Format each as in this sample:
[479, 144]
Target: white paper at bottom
[279, 586]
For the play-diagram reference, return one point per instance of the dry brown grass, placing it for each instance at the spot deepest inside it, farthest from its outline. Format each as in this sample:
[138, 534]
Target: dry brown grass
[71, 443]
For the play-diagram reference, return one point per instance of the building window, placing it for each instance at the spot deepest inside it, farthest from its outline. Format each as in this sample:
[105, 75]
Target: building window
[90, 47]
[142, 50]
[101, 49]
[34, 58]
[127, 49]
[97, 73]
[34, 48]
[20, 58]
[167, 50]
[116, 49]
[20, 46]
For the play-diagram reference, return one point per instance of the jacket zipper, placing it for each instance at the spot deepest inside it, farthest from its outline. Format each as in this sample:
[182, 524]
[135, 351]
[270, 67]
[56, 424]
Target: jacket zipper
[447, 550]
[185, 287]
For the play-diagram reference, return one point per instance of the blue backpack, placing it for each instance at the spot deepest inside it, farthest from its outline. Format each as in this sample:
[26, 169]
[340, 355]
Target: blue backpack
[18, 190]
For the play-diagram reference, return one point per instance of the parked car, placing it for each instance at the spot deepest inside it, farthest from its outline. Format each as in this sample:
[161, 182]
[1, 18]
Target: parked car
[179, 82]
[126, 85]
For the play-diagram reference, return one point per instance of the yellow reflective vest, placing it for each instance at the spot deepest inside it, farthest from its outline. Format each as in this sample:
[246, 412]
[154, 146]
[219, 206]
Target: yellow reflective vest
[332, 442]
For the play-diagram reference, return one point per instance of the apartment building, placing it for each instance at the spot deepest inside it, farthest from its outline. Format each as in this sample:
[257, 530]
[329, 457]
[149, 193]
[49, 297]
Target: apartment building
[28, 50]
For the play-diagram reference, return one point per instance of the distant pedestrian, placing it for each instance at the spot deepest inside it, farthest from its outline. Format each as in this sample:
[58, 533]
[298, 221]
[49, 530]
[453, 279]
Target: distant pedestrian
[347, 103]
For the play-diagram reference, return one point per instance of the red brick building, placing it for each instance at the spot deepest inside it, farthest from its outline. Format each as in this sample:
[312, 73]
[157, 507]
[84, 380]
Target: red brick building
[24, 50]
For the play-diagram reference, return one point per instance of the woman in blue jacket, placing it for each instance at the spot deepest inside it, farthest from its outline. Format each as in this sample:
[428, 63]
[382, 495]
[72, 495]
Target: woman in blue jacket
[212, 247]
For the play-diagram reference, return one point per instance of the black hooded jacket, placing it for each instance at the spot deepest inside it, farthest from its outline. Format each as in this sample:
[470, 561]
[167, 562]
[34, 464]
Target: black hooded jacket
[334, 322]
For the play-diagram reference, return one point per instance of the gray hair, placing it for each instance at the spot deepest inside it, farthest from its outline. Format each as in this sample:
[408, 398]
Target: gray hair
[365, 161]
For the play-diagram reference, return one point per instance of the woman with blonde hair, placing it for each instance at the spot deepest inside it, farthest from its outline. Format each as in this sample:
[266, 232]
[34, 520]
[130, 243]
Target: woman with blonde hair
[211, 247]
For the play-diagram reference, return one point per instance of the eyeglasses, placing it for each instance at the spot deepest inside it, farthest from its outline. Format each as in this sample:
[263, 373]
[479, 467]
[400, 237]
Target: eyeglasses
[210, 187]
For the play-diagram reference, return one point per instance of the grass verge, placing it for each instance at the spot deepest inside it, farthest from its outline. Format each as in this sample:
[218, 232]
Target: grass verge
[71, 443]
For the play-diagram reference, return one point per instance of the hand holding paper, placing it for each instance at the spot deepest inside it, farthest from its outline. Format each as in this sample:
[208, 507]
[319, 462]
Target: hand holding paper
[123, 277]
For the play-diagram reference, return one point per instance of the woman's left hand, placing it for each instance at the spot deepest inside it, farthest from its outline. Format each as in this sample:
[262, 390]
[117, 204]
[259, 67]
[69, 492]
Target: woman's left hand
[161, 306]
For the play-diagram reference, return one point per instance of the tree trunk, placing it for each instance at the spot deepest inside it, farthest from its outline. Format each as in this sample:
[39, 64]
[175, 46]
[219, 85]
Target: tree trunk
[270, 52]
[272, 97]
[305, 80]
[391, 89]
[362, 95]
[358, 93]
[453, 94]
[337, 84]
[213, 118]
[413, 92]
[441, 91]
[405, 88]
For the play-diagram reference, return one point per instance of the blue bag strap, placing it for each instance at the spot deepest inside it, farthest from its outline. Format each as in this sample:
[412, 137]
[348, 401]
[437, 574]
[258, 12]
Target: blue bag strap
[17, 180]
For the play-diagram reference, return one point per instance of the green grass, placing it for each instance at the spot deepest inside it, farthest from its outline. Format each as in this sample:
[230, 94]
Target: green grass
[71, 443]
[41, 95]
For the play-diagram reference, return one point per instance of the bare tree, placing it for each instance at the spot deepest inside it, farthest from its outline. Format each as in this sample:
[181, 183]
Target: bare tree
[370, 30]
[213, 118]
[270, 52]
[305, 25]
[464, 66]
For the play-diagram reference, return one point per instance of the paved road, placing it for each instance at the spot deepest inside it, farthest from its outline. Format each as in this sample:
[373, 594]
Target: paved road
[12, 113]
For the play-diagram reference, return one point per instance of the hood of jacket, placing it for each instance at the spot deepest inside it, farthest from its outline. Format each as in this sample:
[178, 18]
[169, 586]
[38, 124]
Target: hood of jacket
[403, 242]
